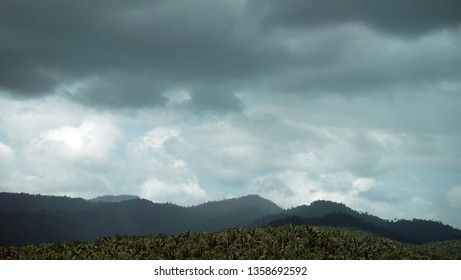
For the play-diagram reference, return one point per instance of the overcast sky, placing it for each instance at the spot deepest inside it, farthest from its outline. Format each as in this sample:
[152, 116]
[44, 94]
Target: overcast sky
[355, 101]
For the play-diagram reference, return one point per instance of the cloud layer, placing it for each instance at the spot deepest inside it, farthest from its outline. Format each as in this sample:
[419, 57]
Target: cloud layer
[354, 101]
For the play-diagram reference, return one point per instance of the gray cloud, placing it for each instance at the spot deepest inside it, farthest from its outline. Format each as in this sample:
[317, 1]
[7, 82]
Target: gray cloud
[22, 77]
[271, 184]
[401, 17]
[120, 90]
[138, 50]
[171, 43]
[206, 99]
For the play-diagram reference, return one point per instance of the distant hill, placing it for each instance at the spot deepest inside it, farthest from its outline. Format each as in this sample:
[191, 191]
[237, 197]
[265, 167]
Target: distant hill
[13, 202]
[321, 208]
[423, 231]
[342, 220]
[114, 198]
[28, 219]
[234, 212]
[328, 213]
[214, 208]
[318, 209]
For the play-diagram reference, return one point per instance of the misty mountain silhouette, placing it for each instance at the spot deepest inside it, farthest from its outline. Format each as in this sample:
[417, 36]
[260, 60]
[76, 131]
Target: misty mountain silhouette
[29, 219]
[114, 198]
[234, 212]
[12, 202]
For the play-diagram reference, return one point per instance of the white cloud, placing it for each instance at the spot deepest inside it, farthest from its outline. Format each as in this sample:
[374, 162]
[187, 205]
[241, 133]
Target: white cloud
[186, 193]
[6, 152]
[153, 140]
[7, 157]
[287, 188]
[292, 157]
[362, 185]
[91, 142]
[158, 167]
[157, 152]
[71, 137]
[291, 188]
[59, 147]
[225, 152]
[453, 196]
[24, 120]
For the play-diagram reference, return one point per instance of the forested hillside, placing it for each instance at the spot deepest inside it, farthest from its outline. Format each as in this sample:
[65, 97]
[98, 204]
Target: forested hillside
[32, 219]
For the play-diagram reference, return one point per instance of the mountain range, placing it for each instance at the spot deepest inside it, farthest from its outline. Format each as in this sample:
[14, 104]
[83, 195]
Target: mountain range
[31, 219]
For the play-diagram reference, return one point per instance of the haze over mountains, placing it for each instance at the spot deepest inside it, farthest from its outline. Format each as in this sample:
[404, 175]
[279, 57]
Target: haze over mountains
[114, 198]
[30, 219]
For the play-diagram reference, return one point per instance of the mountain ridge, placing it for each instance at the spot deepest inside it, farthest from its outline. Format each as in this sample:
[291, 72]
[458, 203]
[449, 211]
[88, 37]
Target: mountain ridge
[114, 198]
[26, 219]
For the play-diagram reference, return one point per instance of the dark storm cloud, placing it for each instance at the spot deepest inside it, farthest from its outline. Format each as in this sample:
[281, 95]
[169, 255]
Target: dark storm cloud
[120, 91]
[402, 17]
[129, 53]
[24, 77]
[166, 44]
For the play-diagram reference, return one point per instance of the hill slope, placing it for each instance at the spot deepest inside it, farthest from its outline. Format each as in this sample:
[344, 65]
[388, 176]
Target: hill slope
[328, 213]
[13, 202]
[37, 219]
[235, 212]
[29, 219]
[114, 198]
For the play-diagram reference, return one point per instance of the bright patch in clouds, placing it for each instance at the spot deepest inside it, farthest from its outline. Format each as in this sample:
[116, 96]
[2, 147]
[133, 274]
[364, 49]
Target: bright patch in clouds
[93, 140]
[71, 137]
[5, 152]
[187, 193]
